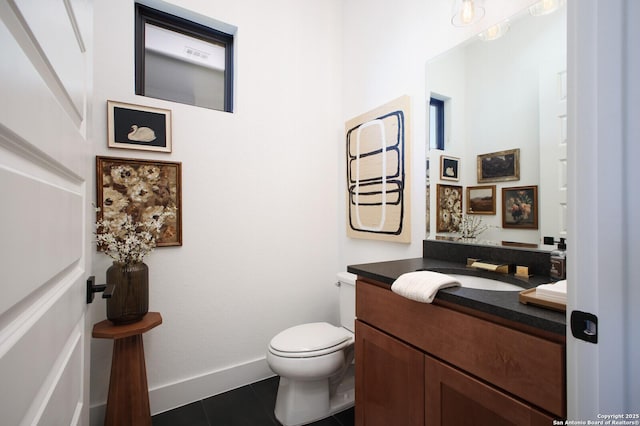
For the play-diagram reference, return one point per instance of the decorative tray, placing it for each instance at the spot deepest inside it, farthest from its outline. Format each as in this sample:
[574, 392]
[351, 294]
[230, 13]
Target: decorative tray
[530, 297]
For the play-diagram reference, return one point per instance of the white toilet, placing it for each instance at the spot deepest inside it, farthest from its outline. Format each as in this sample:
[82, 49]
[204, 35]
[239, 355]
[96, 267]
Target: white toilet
[315, 364]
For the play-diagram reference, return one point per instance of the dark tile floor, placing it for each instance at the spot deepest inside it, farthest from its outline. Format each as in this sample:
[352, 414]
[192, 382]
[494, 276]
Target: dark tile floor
[250, 405]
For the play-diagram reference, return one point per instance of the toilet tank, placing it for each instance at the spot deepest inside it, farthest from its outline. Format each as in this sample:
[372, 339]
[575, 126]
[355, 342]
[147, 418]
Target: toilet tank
[347, 294]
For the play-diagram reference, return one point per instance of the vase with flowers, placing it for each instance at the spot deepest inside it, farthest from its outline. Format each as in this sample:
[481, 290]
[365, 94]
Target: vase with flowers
[471, 227]
[127, 242]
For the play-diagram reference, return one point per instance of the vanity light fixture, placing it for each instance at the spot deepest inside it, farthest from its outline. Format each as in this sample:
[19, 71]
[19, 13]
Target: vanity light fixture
[545, 7]
[466, 12]
[495, 32]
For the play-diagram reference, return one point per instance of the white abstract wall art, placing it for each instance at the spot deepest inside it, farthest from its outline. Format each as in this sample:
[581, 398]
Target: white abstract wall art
[377, 148]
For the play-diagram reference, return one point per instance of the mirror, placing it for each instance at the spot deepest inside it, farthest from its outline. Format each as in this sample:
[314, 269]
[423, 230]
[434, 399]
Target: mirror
[502, 99]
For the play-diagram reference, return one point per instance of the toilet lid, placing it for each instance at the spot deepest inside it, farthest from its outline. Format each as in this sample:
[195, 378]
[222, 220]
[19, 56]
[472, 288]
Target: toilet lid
[310, 338]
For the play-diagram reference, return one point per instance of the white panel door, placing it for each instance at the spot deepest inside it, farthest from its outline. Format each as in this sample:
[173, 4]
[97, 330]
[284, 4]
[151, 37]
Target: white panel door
[603, 378]
[44, 209]
[553, 147]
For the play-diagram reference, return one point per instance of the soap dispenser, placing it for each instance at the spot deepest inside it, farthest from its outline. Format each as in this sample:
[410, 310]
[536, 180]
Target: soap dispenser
[559, 261]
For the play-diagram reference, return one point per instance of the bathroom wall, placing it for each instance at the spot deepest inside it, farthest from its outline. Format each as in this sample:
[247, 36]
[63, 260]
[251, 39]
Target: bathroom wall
[260, 232]
[386, 46]
[263, 188]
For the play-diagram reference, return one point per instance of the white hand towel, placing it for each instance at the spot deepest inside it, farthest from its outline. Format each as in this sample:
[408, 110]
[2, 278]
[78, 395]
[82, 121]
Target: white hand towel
[555, 291]
[422, 286]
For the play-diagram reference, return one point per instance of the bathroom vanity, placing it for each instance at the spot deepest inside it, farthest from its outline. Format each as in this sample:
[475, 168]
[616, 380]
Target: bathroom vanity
[471, 357]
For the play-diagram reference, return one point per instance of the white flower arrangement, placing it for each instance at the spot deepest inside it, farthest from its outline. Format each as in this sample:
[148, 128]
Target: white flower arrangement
[126, 241]
[471, 226]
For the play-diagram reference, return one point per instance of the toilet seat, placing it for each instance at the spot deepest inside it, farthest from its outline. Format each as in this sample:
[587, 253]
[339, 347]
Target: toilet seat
[310, 340]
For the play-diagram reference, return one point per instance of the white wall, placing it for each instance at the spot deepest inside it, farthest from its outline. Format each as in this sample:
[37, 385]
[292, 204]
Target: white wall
[259, 202]
[264, 215]
[386, 46]
[372, 52]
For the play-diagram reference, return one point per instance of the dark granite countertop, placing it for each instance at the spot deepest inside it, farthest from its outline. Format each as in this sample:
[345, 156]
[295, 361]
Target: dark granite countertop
[504, 304]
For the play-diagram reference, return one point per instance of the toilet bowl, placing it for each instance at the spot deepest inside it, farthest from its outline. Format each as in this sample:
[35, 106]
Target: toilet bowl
[315, 364]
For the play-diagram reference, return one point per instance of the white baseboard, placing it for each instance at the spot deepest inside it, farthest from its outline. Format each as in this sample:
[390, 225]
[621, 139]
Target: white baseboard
[173, 395]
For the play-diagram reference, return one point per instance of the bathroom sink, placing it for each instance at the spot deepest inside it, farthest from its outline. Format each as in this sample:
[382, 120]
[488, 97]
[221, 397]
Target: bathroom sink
[481, 283]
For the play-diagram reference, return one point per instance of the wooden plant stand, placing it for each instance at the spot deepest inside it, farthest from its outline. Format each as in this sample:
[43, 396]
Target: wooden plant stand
[128, 400]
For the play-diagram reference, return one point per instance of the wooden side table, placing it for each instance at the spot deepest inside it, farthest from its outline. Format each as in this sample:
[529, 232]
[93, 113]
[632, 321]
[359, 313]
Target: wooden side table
[128, 400]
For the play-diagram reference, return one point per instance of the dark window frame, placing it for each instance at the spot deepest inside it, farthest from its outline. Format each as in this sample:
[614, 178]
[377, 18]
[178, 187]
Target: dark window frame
[145, 14]
[439, 107]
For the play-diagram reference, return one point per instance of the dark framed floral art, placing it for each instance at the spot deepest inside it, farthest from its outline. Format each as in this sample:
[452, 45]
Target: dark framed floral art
[449, 208]
[139, 190]
[520, 207]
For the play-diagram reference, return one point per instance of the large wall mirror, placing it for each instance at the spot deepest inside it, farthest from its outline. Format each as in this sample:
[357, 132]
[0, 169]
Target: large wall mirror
[503, 101]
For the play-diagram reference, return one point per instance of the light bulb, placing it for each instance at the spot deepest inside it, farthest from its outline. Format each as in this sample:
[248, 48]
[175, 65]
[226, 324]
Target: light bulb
[547, 5]
[544, 7]
[468, 12]
[495, 32]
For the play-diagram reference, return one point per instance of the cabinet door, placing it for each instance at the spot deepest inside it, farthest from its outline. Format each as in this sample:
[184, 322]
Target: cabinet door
[389, 380]
[456, 399]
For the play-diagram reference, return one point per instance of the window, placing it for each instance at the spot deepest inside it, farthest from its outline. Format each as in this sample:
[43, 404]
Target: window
[436, 123]
[183, 61]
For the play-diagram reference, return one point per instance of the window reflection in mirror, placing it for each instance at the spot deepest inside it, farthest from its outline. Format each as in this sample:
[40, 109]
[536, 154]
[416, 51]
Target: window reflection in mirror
[436, 118]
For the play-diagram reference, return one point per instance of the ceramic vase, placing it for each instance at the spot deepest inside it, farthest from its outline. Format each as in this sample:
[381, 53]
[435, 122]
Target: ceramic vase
[130, 299]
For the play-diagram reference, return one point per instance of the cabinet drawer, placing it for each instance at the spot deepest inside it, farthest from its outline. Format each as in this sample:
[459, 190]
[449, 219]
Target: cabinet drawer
[524, 365]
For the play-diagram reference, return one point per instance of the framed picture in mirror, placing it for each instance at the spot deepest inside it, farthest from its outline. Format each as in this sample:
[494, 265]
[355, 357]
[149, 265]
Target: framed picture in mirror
[449, 168]
[449, 208]
[481, 199]
[520, 207]
[499, 166]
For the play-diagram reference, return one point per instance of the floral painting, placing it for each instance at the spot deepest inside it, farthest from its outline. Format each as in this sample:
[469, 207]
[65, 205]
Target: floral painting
[449, 208]
[520, 207]
[141, 190]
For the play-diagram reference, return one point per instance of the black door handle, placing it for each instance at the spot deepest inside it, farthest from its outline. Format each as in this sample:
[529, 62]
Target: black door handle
[584, 326]
[92, 288]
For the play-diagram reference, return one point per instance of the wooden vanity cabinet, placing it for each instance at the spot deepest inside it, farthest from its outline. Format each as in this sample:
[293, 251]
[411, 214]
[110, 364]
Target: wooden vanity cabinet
[389, 380]
[424, 364]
